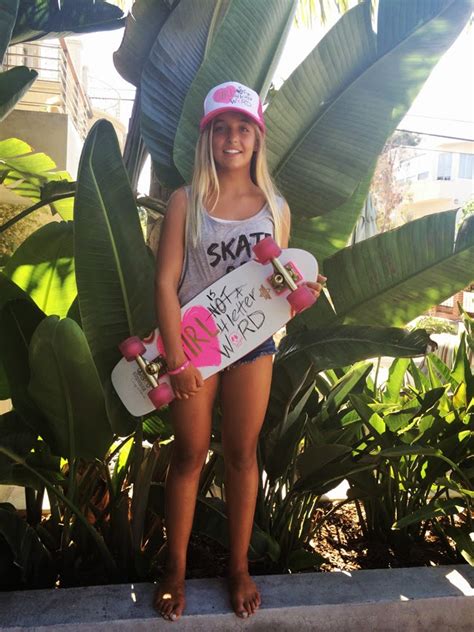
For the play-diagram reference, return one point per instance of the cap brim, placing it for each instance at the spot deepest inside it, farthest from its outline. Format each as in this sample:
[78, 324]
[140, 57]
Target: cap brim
[212, 115]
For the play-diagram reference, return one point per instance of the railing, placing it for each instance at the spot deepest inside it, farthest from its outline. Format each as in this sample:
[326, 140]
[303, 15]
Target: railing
[58, 87]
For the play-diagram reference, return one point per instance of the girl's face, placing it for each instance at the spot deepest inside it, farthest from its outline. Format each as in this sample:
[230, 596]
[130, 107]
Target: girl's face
[234, 141]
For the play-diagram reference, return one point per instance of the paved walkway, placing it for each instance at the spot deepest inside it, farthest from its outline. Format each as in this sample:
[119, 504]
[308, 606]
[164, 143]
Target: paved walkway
[397, 600]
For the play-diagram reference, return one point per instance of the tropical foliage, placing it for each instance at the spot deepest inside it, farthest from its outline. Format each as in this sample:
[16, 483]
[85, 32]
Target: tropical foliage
[24, 21]
[72, 292]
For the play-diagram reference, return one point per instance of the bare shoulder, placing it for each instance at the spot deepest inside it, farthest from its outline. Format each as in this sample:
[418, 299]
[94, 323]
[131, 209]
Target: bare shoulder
[177, 203]
[285, 208]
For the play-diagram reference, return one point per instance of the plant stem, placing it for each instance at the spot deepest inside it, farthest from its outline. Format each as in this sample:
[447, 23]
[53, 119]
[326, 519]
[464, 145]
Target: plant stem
[27, 211]
[106, 555]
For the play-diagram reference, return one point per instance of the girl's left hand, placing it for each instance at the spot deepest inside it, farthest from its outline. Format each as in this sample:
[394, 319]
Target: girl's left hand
[316, 287]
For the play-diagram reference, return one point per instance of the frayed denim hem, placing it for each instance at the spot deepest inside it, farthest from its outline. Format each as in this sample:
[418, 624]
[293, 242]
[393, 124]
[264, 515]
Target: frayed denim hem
[244, 361]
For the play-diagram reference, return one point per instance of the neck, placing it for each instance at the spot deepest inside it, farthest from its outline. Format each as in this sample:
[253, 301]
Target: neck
[234, 182]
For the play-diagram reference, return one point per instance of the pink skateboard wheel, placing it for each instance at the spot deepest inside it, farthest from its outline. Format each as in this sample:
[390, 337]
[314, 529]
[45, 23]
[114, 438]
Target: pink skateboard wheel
[266, 250]
[301, 298]
[131, 347]
[161, 395]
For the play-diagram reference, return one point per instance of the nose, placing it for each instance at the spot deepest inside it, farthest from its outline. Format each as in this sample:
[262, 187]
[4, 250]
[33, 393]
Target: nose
[232, 135]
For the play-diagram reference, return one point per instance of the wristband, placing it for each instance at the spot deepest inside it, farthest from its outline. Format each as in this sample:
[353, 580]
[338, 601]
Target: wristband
[181, 368]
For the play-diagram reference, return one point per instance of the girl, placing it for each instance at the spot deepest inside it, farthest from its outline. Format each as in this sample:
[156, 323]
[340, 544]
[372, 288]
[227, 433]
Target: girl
[208, 230]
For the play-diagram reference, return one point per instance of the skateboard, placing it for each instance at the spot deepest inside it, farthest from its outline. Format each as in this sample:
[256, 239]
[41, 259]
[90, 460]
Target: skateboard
[221, 324]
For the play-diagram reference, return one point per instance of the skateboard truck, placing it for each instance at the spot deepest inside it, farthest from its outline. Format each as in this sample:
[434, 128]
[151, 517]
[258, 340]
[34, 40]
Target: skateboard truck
[300, 297]
[284, 276]
[133, 349]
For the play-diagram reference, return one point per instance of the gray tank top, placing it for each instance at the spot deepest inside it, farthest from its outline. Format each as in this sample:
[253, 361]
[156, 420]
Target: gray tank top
[224, 245]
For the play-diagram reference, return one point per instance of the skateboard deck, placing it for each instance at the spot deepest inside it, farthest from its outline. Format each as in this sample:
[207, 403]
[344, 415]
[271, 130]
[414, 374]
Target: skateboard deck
[220, 325]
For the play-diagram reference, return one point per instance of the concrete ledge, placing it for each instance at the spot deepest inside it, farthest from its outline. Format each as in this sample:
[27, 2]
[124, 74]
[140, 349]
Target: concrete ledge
[408, 599]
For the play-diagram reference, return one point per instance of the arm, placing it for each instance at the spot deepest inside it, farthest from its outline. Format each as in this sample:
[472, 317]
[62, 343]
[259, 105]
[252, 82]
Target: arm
[168, 271]
[317, 286]
[286, 226]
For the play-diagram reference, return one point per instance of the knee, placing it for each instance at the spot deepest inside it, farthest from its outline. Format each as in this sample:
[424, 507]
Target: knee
[241, 460]
[188, 462]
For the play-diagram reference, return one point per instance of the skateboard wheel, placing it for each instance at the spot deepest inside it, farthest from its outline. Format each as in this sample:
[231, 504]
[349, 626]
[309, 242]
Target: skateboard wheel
[161, 395]
[301, 298]
[266, 250]
[131, 347]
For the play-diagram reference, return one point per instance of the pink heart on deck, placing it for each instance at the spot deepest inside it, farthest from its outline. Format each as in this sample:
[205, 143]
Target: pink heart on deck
[224, 95]
[199, 334]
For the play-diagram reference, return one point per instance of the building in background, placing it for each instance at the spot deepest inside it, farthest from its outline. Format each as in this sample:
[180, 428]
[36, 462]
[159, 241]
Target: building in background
[55, 115]
[438, 175]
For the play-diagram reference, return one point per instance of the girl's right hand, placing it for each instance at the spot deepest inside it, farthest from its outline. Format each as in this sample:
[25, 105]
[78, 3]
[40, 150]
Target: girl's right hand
[187, 383]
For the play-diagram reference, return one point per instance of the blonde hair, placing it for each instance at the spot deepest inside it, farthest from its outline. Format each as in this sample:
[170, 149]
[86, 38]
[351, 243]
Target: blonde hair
[205, 185]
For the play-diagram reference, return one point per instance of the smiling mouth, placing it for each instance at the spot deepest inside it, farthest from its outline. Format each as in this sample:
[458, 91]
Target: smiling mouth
[232, 151]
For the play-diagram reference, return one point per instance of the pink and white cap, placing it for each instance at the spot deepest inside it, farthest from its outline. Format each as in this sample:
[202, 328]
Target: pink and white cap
[232, 96]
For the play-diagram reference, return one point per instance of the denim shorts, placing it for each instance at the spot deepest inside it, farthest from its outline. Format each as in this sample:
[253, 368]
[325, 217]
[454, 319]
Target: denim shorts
[266, 348]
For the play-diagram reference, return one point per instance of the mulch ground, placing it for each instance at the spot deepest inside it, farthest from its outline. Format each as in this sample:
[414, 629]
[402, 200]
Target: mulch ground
[341, 542]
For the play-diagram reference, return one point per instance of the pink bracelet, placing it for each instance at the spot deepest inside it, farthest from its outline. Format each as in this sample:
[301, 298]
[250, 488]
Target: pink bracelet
[181, 368]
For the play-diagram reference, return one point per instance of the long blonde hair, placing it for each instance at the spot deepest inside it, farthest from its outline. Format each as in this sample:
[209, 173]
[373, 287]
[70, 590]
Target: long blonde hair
[205, 185]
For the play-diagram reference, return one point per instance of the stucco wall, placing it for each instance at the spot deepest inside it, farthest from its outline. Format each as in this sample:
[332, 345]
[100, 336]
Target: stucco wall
[44, 131]
[50, 132]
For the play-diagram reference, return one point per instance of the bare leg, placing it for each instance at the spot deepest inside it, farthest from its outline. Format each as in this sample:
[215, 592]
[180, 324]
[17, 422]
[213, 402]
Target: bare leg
[192, 429]
[245, 393]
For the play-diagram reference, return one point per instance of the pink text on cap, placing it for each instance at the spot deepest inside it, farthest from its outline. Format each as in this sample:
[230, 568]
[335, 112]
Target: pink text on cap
[232, 96]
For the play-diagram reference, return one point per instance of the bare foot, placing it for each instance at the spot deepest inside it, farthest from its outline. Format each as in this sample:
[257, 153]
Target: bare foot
[244, 594]
[169, 597]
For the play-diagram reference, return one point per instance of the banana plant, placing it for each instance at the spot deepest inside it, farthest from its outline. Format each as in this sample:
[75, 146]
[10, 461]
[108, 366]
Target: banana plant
[316, 153]
[16, 81]
[42, 19]
[35, 177]
[25, 21]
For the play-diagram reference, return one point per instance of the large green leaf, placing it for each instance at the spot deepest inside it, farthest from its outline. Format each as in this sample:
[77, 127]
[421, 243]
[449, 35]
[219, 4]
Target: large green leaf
[18, 438]
[328, 233]
[13, 85]
[348, 96]
[331, 347]
[66, 388]
[58, 18]
[8, 13]
[246, 48]
[32, 174]
[391, 278]
[142, 26]
[43, 266]
[8, 291]
[114, 270]
[19, 319]
[4, 386]
[183, 39]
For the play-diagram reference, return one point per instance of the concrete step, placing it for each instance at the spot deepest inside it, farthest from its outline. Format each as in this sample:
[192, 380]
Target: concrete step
[395, 600]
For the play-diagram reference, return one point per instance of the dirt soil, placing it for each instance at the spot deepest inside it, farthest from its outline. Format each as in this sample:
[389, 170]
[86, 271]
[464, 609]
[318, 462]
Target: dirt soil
[341, 543]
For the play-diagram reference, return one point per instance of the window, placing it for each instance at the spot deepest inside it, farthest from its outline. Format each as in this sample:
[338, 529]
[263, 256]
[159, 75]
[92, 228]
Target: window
[449, 302]
[468, 301]
[445, 161]
[423, 175]
[466, 166]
